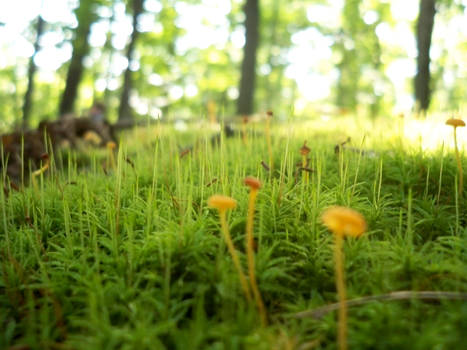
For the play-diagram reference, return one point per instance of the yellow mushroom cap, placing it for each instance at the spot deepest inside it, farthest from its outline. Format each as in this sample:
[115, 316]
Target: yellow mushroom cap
[455, 122]
[111, 145]
[221, 202]
[304, 150]
[91, 136]
[252, 182]
[344, 221]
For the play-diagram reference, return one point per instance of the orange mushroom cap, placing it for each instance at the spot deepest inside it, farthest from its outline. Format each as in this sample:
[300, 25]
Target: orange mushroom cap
[221, 202]
[455, 122]
[344, 221]
[252, 182]
[45, 157]
[304, 150]
[111, 145]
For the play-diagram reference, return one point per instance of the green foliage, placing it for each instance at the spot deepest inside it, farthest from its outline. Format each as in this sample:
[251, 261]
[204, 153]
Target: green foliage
[360, 66]
[133, 258]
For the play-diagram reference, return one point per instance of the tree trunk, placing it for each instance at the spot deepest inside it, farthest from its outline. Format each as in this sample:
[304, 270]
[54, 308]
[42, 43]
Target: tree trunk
[247, 81]
[425, 24]
[86, 17]
[27, 104]
[124, 111]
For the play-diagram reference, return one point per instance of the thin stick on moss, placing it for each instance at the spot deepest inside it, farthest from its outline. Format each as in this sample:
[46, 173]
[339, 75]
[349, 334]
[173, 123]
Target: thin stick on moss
[399, 295]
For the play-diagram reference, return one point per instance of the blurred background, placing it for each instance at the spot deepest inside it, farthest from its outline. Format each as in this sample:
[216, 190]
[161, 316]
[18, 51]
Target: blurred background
[173, 59]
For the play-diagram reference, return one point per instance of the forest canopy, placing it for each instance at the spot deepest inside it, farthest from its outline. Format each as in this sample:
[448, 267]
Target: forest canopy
[173, 58]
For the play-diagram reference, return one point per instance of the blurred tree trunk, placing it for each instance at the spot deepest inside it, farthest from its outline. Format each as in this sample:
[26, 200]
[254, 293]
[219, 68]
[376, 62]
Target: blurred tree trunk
[425, 24]
[124, 111]
[27, 103]
[248, 74]
[85, 16]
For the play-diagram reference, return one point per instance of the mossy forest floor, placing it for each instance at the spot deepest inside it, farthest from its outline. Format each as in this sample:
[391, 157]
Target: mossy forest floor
[133, 258]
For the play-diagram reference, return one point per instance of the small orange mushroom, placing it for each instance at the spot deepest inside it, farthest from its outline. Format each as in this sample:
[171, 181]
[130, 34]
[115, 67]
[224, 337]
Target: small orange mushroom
[304, 151]
[45, 165]
[455, 123]
[222, 204]
[252, 182]
[92, 137]
[342, 222]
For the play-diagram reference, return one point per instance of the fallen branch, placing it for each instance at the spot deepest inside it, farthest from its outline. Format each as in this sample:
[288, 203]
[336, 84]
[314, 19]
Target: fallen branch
[400, 295]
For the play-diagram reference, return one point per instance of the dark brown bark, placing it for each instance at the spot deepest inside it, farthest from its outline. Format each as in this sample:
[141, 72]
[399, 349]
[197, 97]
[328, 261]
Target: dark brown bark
[27, 104]
[124, 110]
[425, 24]
[86, 17]
[245, 102]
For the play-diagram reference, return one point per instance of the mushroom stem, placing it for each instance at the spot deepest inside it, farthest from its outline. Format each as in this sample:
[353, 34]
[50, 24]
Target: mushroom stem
[111, 147]
[341, 292]
[342, 221]
[40, 171]
[251, 255]
[459, 165]
[233, 253]
[304, 165]
[304, 151]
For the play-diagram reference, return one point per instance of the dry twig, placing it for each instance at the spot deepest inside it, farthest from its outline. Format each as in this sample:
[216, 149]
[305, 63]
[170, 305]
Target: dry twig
[399, 295]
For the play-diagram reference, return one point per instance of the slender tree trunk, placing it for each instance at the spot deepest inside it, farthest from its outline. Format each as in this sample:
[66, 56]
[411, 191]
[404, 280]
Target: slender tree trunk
[86, 17]
[124, 111]
[247, 81]
[27, 104]
[425, 24]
